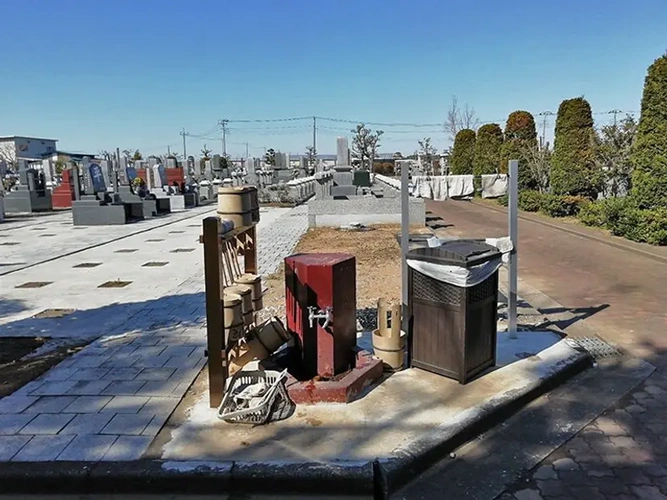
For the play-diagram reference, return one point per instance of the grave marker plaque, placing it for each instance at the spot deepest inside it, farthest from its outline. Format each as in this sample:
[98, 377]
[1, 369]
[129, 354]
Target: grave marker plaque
[97, 178]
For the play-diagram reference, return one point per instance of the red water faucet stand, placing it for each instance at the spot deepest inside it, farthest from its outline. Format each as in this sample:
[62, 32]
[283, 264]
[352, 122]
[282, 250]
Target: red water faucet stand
[321, 306]
[63, 195]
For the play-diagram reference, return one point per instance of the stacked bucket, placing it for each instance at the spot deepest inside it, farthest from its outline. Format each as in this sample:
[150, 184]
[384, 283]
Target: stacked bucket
[239, 206]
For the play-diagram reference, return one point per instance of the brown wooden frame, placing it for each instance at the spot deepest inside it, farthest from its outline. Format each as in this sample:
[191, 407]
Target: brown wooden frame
[244, 239]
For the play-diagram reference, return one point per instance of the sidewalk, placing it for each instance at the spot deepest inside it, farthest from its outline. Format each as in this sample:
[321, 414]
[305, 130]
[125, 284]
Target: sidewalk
[108, 402]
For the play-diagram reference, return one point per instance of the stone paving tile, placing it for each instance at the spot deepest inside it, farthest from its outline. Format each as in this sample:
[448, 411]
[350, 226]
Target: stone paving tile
[128, 448]
[128, 424]
[123, 388]
[160, 405]
[89, 447]
[155, 374]
[47, 423]
[42, 448]
[125, 404]
[125, 373]
[10, 446]
[16, 404]
[53, 388]
[88, 387]
[89, 374]
[155, 425]
[619, 455]
[87, 404]
[50, 404]
[12, 423]
[158, 388]
[91, 423]
[182, 362]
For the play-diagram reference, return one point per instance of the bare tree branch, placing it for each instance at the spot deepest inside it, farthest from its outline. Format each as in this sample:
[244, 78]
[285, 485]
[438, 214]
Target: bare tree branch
[460, 118]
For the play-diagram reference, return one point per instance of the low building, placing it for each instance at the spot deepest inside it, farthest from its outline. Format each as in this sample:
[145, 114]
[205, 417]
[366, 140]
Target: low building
[14, 148]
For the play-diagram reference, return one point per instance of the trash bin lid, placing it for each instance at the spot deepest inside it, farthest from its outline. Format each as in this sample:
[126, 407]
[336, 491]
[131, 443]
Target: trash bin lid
[462, 253]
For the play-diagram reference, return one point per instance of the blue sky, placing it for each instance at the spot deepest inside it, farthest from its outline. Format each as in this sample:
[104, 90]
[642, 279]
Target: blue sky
[130, 74]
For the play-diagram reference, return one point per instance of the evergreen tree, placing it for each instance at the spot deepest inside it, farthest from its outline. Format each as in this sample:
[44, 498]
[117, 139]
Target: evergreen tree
[649, 152]
[573, 167]
[487, 149]
[520, 138]
[463, 152]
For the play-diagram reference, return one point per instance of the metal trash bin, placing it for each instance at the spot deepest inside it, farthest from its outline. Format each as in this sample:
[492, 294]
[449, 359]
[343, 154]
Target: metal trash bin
[452, 307]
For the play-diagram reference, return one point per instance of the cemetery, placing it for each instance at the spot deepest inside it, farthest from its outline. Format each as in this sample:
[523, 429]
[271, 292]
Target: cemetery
[369, 348]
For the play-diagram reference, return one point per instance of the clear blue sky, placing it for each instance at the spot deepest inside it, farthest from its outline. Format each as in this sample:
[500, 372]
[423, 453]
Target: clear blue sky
[130, 73]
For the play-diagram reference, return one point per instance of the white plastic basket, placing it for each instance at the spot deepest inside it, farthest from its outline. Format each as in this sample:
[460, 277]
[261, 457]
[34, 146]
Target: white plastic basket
[260, 413]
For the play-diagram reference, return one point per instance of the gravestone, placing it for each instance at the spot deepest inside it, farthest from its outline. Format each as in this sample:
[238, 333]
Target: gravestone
[47, 168]
[106, 171]
[342, 151]
[122, 171]
[171, 163]
[97, 178]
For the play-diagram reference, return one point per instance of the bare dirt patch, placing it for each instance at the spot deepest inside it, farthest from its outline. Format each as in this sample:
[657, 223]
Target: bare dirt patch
[378, 258]
[15, 372]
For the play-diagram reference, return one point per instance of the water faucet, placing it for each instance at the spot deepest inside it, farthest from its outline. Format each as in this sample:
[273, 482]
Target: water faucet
[315, 313]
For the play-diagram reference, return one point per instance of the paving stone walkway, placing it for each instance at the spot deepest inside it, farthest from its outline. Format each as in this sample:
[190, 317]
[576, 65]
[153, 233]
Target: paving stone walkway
[620, 455]
[108, 402]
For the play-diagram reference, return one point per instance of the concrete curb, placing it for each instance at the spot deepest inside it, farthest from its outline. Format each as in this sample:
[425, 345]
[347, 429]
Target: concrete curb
[621, 245]
[408, 462]
[377, 478]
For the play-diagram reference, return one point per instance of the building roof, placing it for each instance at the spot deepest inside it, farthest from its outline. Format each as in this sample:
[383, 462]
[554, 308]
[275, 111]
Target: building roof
[65, 153]
[14, 137]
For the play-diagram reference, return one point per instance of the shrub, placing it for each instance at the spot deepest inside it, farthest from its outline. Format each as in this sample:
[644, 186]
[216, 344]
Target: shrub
[463, 152]
[562, 206]
[649, 155]
[487, 149]
[624, 217]
[520, 134]
[573, 168]
[503, 200]
[530, 201]
[592, 214]
[384, 169]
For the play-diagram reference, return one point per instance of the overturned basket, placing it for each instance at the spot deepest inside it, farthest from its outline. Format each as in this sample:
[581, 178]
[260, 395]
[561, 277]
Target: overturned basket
[274, 398]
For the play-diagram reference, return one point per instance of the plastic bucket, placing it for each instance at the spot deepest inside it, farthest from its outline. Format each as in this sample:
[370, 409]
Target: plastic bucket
[245, 293]
[391, 350]
[233, 200]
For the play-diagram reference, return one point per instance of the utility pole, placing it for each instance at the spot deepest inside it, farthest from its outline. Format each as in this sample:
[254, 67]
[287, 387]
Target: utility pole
[224, 123]
[246, 150]
[185, 153]
[314, 139]
[545, 114]
[168, 150]
[614, 112]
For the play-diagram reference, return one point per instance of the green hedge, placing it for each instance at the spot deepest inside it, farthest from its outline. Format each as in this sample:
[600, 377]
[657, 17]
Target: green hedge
[520, 135]
[623, 217]
[487, 149]
[549, 204]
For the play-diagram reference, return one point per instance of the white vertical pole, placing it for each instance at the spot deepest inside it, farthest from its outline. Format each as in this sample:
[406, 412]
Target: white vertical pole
[405, 228]
[513, 222]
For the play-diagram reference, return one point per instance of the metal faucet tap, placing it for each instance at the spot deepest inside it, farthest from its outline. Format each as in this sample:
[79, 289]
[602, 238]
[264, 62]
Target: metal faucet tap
[315, 313]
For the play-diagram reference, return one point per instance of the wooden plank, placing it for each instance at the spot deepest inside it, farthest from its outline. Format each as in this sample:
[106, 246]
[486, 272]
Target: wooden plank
[214, 313]
[250, 251]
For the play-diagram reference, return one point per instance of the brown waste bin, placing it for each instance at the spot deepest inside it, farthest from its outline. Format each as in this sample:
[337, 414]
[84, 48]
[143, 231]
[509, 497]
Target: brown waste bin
[453, 326]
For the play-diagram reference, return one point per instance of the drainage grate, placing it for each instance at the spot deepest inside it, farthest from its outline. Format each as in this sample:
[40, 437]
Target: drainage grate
[9, 243]
[182, 250]
[153, 240]
[34, 284]
[53, 313]
[46, 235]
[177, 232]
[127, 250]
[194, 225]
[595, 346]
[38, 229]
[88, 264]
[155, 264]
[114, 284]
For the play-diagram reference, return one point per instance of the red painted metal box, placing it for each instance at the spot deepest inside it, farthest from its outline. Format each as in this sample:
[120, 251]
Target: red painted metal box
[315, 283]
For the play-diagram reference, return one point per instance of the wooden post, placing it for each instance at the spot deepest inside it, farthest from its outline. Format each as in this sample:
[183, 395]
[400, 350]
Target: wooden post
[250, 251]
[214, 313]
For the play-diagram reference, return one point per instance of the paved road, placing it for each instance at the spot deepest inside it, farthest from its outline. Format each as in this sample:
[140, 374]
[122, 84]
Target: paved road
[620, 295]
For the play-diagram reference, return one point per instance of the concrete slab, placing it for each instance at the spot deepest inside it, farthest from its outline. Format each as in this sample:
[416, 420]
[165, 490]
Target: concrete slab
[408, 409]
